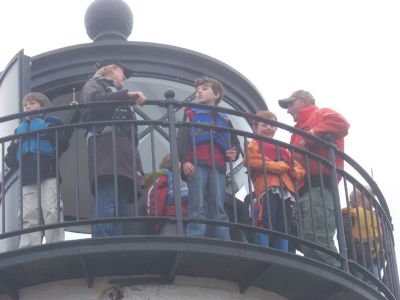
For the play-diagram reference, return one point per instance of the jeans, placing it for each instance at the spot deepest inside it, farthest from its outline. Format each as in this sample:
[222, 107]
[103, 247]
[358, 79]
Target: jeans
[276, 214]
[313, 225]
[372, 267]
[210, 185]
[106, 206]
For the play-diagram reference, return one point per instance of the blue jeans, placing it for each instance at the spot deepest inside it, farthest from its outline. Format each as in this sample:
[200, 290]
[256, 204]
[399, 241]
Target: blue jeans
[372, 267]
[276, 214]
[212, 186]
[263, 239]
[106, 207]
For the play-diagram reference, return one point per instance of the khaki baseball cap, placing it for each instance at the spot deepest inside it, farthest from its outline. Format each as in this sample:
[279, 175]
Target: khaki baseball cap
[300, 94]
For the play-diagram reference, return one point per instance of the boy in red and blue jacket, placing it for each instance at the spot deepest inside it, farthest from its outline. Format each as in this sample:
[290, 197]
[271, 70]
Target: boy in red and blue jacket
[204, 166]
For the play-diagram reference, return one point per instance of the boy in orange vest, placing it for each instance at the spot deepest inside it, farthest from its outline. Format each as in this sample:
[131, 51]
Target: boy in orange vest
[273, 173]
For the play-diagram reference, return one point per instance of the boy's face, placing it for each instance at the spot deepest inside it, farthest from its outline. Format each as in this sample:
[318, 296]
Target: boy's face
[31, 105]
[205, 95]
[358, 202]
[265, 129]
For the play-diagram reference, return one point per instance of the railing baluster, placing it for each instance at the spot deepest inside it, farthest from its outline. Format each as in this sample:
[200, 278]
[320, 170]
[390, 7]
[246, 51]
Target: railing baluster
[20, 169]
[266, 195]
[232, 181]
[378, 239]
[134, 166]
[338, 215]
[281, 187]
[153, 166]
[77, 210]
[38, 179]
[359, 228]
[115, 177]
[249, 172]
[297, 195]
[321, 182]
[351, 222]
[196, 177]
[96, 185]
[307, 162]
[175, 166]
[216, 182]
[3, 192]
[57, 176]
[367, 222]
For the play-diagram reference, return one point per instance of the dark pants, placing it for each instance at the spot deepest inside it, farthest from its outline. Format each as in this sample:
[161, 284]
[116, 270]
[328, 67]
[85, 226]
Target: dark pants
[276, 215]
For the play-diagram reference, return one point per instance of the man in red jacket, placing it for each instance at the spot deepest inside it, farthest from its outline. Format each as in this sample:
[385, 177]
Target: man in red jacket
[318, 226]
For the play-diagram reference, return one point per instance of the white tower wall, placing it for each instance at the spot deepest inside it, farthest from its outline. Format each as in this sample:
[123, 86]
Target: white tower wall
[183, 288]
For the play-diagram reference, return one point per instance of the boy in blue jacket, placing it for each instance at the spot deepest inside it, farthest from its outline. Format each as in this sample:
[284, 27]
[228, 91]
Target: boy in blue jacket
[38, 153]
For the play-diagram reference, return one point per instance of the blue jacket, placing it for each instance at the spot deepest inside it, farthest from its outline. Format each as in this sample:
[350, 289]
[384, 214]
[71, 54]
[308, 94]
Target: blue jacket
[31, 145]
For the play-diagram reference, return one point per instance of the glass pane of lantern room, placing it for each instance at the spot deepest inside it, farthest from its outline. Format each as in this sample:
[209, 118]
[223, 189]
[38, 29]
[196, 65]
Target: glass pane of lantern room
[14, 84]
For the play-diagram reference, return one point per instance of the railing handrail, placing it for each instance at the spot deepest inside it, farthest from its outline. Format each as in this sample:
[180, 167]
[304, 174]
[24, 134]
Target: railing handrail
[171, 106]
[181, 104]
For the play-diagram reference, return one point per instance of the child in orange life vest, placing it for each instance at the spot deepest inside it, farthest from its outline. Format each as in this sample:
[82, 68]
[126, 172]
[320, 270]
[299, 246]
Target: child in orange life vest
[276, 187]
[360, 225]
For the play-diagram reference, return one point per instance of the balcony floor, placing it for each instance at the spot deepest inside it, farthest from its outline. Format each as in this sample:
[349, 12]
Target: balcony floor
[157, 259]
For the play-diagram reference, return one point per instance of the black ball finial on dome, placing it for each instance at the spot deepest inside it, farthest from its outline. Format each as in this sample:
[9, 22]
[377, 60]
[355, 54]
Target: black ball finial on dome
[108, 20]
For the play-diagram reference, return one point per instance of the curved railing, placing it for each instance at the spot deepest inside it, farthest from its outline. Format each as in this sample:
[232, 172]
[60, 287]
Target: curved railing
[378, 245]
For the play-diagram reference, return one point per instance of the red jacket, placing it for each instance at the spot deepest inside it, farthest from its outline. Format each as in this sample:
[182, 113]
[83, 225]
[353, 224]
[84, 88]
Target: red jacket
[322, 122]
[162, 186]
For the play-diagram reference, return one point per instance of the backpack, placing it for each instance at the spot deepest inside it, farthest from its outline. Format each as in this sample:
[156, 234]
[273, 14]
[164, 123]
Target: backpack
[162, 189]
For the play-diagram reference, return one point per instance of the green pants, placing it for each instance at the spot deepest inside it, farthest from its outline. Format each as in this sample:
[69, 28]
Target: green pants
[314, 227]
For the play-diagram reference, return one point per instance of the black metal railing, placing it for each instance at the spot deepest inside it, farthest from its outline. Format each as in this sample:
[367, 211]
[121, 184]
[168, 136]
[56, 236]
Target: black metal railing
[366, 250]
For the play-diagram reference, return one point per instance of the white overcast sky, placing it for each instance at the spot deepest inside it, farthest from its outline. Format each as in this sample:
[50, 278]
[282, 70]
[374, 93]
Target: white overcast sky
[345, 52]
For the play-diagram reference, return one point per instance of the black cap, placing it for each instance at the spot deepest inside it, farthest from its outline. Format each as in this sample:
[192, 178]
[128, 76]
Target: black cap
[110, 61]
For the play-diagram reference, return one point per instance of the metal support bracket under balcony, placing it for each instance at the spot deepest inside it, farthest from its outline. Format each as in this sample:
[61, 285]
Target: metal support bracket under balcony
[6, 287]
[89, 278]
[250, 279]
[169, 275]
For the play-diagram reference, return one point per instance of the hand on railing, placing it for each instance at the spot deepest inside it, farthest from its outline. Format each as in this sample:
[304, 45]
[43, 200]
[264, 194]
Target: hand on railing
[231, 153]
[138, 97]
[329, 137]
[188, 169]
